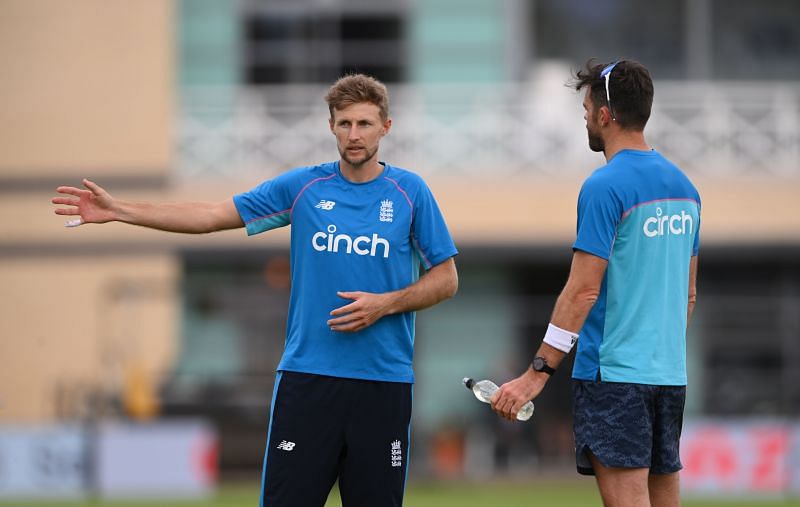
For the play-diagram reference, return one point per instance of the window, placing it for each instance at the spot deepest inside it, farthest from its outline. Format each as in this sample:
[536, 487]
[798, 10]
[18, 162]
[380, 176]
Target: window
[311, 47]
[651, 32]
[756, 39]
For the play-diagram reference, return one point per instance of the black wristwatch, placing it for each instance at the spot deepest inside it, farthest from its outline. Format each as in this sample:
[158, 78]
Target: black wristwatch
[540, 364]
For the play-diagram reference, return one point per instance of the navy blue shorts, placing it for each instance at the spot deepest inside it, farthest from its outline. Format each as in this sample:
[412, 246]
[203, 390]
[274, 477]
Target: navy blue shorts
[628, 425]
[328, 428]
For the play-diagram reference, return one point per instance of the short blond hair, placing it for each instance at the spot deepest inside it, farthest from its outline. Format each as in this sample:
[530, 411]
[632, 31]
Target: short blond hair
[357, 89]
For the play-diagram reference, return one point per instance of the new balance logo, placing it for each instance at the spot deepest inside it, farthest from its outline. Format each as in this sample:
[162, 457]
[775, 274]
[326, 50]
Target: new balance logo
[326, 205]
[286, 446]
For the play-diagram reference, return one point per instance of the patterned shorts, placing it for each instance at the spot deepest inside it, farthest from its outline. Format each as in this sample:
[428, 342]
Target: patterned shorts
[628, 425]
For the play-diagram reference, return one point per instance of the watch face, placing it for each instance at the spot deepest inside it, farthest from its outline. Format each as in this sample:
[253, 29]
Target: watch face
[538, 363]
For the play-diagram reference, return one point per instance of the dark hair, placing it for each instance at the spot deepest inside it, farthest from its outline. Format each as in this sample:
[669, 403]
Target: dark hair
[630, 87]
[356, 89]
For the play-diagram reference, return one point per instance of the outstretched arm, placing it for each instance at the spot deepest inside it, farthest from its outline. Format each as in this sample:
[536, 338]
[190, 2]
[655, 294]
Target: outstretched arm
[94, 205]
[438, 284]
[571, 309]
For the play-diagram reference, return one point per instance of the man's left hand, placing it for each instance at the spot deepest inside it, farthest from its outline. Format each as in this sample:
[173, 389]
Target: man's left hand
[366, 308]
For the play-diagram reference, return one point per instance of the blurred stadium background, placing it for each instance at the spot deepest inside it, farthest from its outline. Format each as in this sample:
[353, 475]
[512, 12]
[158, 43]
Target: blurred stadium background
[140, 363]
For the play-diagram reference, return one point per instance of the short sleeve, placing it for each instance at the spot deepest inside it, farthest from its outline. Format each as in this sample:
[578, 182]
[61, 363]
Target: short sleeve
[599, 213]
[430, 235]
[267, 206]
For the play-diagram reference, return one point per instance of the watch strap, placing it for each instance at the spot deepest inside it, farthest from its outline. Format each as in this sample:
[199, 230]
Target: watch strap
[540, 364]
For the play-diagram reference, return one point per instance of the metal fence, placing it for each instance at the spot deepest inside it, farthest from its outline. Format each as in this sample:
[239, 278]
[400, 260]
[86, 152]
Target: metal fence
[705, 127]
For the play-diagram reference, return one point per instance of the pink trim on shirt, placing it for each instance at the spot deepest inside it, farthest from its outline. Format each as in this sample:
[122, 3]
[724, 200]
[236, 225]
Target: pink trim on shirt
[630, 210]
[404, 195]
[428, 263]
[302, 190]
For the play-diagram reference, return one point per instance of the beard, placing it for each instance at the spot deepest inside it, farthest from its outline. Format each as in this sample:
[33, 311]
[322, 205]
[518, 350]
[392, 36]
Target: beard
[596, 142]
[359, 161]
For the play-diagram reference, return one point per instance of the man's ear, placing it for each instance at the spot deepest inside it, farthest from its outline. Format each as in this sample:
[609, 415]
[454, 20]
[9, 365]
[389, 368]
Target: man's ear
[604, 116]
[387, 126]
[330, 125]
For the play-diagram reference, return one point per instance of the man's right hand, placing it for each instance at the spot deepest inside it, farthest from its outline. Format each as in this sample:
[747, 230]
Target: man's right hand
[512, 395]
[92, 206]
[96, 206]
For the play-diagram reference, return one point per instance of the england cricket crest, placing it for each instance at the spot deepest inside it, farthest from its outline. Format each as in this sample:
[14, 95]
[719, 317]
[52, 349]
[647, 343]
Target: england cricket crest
[396, 455]
[386, 213]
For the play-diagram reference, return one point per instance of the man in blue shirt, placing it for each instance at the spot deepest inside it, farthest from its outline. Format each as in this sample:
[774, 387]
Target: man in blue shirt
[627, 301]
[361, 231]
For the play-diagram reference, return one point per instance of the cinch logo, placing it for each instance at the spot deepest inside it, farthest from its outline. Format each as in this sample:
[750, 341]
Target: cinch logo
[661, 224]
[331, 242]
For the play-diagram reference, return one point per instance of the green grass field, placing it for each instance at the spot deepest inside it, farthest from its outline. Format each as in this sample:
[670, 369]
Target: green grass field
[573, 493]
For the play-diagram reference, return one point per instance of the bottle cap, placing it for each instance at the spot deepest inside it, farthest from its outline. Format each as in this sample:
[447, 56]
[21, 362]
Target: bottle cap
[468, 382]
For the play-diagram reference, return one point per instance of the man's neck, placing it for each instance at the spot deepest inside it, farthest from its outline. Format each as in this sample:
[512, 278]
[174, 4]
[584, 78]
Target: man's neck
[361, 173]
[625, 140]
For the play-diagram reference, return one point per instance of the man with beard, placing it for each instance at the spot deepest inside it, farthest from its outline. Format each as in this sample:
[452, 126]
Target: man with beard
[627, 301]
[341, 407]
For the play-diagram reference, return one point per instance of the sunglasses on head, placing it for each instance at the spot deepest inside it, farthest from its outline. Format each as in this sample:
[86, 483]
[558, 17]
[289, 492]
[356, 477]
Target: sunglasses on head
[606, 73]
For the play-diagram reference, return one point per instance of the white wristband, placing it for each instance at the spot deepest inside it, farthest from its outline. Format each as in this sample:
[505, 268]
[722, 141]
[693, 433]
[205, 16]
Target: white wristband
[560, 339]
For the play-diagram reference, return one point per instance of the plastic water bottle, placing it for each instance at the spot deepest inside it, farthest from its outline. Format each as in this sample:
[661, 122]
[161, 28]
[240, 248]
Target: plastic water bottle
[484, 389]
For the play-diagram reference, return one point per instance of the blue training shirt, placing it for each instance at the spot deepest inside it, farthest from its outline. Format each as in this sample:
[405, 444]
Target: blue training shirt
[641, 214]
[346, 236]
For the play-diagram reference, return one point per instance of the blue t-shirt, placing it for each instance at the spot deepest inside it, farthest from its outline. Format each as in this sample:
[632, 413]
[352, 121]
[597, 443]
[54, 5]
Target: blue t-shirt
[641, 214]
[346, 236]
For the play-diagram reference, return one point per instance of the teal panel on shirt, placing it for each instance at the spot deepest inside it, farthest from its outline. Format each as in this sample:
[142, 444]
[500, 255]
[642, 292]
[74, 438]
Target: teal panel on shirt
[640, 318]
